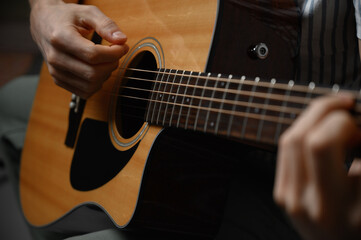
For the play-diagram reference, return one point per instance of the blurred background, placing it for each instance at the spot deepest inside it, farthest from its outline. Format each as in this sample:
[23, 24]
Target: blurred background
[18, 53]
[18, 56]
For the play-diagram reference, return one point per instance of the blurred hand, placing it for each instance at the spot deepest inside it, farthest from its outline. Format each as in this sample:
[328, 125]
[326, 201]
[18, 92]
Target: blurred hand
[74, 62]
[312, 184]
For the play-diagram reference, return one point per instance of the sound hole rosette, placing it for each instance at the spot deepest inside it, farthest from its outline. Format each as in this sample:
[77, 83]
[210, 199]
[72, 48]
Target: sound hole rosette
[124, 131]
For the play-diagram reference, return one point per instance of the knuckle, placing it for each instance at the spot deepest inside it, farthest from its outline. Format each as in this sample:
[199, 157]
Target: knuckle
[90, 76]
[91, 56]
[342, 118]
[52, 59]
[290, 139]
[317, 145]
[107, 23]
[54, 38]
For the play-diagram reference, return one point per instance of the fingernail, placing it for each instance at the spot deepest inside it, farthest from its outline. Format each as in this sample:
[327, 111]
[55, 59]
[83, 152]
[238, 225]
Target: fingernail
[119, 35]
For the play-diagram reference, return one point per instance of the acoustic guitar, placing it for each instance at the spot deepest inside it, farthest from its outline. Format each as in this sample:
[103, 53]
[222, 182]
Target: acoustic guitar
[151, 147]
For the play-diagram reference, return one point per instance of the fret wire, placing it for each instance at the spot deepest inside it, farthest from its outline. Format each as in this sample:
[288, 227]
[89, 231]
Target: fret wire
[159, 84]
[175, 99]
[152, 96]
[166, 108]
[239, 89]
[250, 101]
[266, 103]
[210, 106]
[180, 110]
[222, 104]
[200, 102]
[191, 103]
[279, 125]
[162, 96]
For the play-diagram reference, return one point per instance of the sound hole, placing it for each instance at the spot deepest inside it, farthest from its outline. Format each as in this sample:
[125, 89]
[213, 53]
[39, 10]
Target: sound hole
[134, 93]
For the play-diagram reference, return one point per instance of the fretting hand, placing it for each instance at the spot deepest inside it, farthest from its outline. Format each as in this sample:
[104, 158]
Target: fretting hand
[312, 184]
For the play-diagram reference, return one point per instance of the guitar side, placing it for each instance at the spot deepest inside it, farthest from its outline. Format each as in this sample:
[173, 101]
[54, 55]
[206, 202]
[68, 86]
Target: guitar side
[185, 31]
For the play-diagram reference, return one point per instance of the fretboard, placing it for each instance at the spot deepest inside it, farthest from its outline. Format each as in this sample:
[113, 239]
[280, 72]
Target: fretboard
[245, 109]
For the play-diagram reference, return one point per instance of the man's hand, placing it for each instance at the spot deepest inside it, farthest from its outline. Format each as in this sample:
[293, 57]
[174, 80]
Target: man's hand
[312, 183]
[76, 63]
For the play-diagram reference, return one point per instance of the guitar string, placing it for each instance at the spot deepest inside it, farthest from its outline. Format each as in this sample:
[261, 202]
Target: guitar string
[256, 116]
[239, 103]
[272, 96]
[244, 92]
[279, 97]
[286, 121]
[278, 86]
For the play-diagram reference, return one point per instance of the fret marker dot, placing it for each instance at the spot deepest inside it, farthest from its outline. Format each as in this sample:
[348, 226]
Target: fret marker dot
[256, 110]
[293, 115]
[219, 75]
[160, 95]
[173, 97]
[187, 99]
[291, 83]
[243, 78]
[312, 85]
[335, 88]
[222, 84]
[257, 79]
[212, 124]
[273, 81]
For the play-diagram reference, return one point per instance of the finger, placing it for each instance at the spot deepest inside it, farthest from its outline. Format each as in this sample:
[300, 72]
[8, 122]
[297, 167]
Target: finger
[73, 83]
[325, 150]
[290, 175]
[91, 73]
[355, 169]
[327, 146]
[73, 43]
[104, 26]
[320, 108]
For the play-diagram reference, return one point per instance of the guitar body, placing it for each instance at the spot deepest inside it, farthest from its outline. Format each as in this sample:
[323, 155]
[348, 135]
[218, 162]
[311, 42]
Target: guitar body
[143, 175]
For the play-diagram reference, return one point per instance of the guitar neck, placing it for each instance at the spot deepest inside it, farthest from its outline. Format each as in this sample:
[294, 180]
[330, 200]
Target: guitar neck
[236, 107]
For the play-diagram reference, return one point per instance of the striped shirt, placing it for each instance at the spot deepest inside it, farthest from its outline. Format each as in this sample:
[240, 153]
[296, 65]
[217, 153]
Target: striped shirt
[328, 50]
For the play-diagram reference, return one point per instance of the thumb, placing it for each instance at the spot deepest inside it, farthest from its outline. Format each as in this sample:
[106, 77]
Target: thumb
[104, 26]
